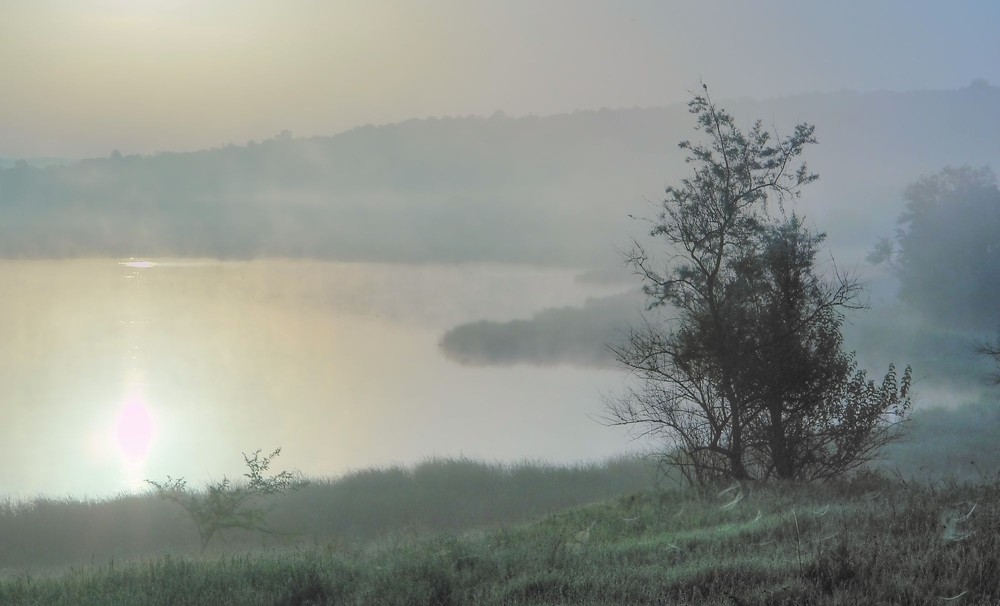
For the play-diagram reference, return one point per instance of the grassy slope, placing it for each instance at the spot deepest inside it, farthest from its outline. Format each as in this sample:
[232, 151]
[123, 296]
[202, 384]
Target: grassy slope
[872, 541]
[439, 495]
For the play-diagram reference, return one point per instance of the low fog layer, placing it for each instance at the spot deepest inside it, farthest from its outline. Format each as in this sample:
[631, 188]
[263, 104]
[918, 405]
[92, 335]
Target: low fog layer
[545, 190]
[932, 284]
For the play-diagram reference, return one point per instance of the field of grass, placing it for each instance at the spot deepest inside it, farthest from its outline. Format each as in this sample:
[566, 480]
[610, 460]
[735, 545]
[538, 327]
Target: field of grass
[437, 496]
[873, 540]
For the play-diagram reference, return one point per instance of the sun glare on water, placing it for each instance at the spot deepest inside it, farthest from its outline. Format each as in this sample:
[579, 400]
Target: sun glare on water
[138, 264]
[135, 430]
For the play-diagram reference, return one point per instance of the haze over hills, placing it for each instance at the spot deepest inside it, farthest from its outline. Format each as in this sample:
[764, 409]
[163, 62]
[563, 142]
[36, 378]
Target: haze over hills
[881, 143]
[567, 190]
[36, 162]
[552, 190]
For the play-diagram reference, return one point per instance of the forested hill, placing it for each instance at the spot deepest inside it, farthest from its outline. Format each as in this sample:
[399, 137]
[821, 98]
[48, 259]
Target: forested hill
[555, 190]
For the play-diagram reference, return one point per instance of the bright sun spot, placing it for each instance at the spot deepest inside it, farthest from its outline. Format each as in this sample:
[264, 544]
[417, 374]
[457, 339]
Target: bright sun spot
[135, 429]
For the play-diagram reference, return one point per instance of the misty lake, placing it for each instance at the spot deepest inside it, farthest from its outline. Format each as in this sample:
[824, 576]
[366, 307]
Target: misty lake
[115, 371]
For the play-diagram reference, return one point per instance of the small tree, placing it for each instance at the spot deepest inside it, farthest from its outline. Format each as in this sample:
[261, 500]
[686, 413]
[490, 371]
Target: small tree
[746, 378]
[225, 506]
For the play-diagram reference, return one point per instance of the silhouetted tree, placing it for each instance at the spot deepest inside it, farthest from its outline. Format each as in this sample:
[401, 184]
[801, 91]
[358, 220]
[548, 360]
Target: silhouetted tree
[746, 377]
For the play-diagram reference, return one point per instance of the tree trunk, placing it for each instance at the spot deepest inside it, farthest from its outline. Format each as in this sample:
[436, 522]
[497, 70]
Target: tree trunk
[781, 455]
[737, 469]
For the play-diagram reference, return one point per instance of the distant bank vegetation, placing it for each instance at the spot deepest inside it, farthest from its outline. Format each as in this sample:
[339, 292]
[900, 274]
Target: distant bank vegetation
[867, 541]
[439, 495]
[553, 189]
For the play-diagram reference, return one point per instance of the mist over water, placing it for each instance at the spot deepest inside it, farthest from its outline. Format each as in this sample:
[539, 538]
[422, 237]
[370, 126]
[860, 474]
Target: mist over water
[116, 371]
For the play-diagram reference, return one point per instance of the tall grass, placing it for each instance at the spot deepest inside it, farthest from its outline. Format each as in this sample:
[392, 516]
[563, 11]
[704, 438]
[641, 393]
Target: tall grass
[439, 495]
[869, 541]
[959, 443]
[455, 531]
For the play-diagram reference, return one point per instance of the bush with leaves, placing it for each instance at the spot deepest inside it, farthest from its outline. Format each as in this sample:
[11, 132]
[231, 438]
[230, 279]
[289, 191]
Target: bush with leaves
[227, 506]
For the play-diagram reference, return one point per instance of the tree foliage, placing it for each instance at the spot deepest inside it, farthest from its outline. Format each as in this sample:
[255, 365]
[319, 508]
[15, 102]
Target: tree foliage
[227, 506]
[745, 378]
[946, 252]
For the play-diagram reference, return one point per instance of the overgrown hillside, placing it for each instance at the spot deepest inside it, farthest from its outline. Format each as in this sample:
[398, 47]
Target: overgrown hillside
[869, 541]
[440, 495]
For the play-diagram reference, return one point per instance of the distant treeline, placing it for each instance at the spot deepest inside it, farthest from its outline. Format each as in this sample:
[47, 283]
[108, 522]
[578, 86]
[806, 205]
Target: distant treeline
[567, 335]
[554, 190]
[425, 190]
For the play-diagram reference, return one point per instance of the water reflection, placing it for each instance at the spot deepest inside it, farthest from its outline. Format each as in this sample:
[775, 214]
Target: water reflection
[135, 429]
[138, 264]
[112, 372]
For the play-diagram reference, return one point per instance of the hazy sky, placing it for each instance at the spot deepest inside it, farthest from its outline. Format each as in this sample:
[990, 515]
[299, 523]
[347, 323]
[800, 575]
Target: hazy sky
[80, 78]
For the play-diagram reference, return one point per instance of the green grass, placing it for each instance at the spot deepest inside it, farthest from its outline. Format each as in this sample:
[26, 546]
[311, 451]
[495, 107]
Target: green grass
[869, 541]
[439, 495]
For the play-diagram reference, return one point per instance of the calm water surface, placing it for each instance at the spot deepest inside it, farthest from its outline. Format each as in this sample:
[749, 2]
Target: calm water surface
[115, 371]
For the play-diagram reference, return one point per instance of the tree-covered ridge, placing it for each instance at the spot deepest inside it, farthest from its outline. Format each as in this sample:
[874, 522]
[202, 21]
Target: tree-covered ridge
[526, 189]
